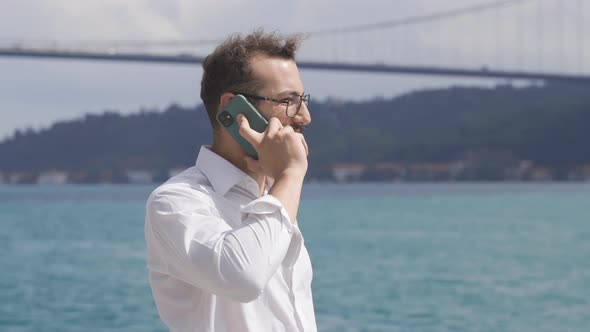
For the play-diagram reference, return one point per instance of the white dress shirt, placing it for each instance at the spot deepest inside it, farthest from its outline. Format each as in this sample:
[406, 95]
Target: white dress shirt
[223, 258]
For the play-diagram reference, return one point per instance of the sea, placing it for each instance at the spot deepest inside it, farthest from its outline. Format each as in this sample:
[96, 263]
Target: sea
[386, 257]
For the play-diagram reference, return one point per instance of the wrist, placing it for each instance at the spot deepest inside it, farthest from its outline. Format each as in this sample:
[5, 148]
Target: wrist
[292, 174]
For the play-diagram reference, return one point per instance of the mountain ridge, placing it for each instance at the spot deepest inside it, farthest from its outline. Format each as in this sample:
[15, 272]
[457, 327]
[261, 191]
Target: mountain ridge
[547, 125]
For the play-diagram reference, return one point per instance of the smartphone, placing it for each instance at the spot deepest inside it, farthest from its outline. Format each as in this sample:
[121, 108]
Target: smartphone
[227, 118]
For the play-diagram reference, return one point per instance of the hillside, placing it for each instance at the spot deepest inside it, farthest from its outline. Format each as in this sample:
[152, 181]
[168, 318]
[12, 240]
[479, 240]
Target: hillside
[547, 125]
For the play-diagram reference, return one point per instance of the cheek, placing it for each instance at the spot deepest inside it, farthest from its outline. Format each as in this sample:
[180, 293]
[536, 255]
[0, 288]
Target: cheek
[266, 112]
[276, 113]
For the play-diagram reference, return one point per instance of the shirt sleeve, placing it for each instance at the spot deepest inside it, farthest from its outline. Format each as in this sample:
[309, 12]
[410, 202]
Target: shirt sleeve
[188, 240]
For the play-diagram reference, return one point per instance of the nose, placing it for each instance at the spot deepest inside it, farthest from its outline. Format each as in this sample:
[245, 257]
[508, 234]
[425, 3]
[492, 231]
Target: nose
[303, 116]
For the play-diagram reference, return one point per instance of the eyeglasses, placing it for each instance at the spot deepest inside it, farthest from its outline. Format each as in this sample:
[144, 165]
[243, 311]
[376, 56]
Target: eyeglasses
[292, 104]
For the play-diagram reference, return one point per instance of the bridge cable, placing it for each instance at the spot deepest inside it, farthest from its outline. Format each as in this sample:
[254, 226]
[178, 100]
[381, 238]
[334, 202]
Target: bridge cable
[413, 20]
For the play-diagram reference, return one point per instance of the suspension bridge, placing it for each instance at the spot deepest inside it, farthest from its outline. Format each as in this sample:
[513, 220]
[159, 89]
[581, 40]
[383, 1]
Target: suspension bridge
[540, 40]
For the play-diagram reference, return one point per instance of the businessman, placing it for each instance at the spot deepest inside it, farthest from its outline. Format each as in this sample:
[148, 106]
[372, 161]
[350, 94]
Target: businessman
[224, 249]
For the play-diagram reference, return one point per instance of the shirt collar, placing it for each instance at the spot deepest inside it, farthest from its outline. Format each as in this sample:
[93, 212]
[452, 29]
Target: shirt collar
[222, 174]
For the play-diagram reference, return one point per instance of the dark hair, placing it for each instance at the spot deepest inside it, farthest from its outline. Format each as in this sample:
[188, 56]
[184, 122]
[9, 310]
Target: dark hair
[228, 67]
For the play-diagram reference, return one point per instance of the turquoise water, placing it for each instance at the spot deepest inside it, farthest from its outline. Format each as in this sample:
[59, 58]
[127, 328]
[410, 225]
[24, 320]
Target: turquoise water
[386, 257]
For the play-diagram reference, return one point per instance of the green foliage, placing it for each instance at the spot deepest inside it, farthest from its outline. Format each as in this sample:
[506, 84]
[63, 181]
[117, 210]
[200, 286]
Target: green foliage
[546, 124]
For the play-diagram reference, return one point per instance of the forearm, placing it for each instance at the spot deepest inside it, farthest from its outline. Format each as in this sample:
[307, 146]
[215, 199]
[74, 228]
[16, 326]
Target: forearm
[287, 189]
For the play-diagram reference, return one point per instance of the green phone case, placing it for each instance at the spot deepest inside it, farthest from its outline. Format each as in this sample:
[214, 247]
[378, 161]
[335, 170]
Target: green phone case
[227, 118]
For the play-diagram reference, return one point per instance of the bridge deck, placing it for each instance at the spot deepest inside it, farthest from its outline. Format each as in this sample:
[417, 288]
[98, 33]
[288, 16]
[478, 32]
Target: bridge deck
[333, 66]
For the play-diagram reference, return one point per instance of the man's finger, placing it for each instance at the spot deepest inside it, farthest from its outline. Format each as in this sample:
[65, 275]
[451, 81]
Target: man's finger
[252, 136]
[274, 125]
[288, 129]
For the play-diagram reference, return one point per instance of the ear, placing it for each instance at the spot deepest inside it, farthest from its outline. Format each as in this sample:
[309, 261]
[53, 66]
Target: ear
[225, 98]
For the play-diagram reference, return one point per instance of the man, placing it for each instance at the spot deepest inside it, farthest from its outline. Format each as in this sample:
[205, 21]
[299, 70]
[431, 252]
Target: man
[224, 250]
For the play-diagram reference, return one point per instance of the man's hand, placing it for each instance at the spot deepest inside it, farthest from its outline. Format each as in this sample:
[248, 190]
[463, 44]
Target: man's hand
[280, 149]
[282, 156]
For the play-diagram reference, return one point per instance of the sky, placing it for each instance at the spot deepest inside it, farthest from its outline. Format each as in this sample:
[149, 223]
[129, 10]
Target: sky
[529, 35]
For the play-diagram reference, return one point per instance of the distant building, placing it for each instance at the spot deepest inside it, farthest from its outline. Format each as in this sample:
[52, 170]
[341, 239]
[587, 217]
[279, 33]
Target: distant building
[519, 172]
[435, 171]
[80, 176]
[21, 177]
[140, 176]
[580, 173]
[13, 178]
[386, 171]
[347, 172]
[541, 174]
[456, 169]
[52, 178]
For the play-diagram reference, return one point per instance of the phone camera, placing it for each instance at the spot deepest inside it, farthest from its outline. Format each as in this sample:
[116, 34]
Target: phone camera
[225, 118]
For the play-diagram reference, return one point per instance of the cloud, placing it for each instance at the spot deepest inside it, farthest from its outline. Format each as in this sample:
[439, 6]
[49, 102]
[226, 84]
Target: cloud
[70, 20]
[38, 92]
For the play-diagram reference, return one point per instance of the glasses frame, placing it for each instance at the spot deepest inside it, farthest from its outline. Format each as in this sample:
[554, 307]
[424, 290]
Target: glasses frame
[303, 98]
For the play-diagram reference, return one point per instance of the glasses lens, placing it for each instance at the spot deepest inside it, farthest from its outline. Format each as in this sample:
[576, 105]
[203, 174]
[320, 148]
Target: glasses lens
[293, 106]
